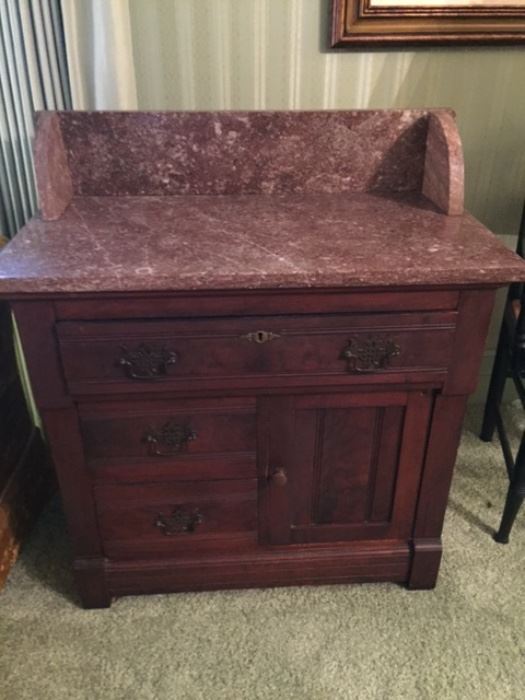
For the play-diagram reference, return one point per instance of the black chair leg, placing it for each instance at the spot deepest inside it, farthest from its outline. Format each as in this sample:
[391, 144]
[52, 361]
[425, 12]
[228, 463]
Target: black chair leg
[497, 384]
[515, 497]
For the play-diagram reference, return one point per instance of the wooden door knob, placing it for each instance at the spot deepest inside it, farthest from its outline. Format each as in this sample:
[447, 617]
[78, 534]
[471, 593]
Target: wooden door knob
[278, 477]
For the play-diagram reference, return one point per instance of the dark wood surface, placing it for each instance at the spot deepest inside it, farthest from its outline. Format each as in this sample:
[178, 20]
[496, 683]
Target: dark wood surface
[117, 356]
[253, 302]
[174, 438]
[176, 517]
[262, 567]
[249, 463]
[352, 464]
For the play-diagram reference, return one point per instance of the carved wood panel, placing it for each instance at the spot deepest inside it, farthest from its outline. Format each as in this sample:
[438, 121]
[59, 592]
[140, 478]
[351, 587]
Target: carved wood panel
[352, 465]
[353, 447]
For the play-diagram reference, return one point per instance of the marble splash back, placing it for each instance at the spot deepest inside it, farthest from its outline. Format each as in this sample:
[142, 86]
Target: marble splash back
[175, 153]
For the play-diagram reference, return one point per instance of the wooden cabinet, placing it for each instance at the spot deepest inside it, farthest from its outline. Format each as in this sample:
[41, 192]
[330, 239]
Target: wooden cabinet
[251, 337]
[212, 450]
[340, 467]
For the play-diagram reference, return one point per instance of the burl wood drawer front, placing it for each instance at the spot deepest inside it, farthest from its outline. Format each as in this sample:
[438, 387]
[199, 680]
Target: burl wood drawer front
[123, 356]
[182, 439]
[176, 517]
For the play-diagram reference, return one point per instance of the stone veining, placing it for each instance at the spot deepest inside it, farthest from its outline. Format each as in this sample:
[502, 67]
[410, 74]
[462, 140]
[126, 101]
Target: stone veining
[167, 201]
[209, 242]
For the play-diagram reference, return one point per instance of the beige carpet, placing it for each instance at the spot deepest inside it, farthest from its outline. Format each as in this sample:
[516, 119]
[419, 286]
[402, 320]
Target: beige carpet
[465, 640]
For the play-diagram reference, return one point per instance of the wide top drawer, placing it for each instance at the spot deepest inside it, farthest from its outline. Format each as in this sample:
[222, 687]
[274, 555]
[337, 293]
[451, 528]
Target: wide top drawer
[218, 352]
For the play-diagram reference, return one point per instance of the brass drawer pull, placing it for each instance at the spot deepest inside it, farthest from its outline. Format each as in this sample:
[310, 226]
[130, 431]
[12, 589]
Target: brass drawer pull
[146, 362]
[369, 354]
[260, 337]
[181, 520]
[173, 437]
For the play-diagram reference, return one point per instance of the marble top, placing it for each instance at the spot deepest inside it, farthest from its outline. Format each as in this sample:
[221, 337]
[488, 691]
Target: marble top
[202, 242]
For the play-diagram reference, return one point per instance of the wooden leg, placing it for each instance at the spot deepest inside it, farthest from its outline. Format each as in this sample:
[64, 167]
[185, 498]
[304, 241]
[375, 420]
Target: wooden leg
[90, 579]
[79, 506]
[425, 563]
[432, 502]
[497, 384]
[515, 497]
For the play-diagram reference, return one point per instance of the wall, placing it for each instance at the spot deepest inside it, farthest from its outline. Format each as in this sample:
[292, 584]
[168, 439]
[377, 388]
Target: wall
[272, 54]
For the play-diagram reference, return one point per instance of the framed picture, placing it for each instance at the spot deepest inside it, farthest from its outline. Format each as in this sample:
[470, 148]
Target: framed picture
[404, 22]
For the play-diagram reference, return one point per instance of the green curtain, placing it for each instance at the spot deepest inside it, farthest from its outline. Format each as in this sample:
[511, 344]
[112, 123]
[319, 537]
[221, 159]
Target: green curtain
[33, 76]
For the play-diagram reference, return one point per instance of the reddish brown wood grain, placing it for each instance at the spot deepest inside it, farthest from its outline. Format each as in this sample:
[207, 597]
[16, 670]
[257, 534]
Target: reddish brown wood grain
[264, 566]
[275, 425]
[329, 447]
[474, 312]
[259, 302]
[441, 453]
[36, 324]
[292, 469]
[228, 351]
[128, 516]
[117, 438]
[63, 434]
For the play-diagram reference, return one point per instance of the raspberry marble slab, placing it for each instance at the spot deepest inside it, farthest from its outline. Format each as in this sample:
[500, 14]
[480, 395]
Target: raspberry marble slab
[138, 201]
[252, 241]
[181, 153]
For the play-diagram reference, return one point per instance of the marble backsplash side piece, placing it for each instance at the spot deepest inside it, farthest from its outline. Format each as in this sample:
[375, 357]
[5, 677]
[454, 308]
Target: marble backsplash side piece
[221, 153]
[53, 177]
[443, 181]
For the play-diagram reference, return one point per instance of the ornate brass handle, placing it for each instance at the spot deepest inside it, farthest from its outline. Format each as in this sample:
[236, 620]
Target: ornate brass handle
[172, 436]
[182, 519]
[146, 363]
[278, 478]
[369, 354]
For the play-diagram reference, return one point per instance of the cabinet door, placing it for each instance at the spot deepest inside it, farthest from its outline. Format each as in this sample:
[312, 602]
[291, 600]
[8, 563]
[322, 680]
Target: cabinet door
[337, 467]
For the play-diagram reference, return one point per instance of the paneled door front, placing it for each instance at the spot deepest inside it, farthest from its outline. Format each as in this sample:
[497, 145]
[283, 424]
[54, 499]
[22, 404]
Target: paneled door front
[336, 467]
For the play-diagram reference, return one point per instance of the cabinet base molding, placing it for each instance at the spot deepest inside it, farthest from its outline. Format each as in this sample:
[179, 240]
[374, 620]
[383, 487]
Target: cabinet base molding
[99, 579]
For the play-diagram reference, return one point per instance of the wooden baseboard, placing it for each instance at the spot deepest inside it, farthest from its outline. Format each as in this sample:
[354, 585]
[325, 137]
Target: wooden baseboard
[28, 488]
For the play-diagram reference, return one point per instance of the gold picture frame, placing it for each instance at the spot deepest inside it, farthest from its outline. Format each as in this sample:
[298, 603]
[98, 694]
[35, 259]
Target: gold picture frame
[411, 22]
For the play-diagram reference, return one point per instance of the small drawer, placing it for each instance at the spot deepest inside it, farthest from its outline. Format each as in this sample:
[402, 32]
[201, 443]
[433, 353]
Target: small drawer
[174, 518]
[180, 439]
[159, 355]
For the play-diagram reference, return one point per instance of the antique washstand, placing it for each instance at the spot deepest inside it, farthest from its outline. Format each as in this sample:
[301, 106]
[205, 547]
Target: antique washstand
[251, 337]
